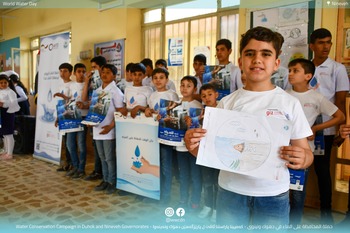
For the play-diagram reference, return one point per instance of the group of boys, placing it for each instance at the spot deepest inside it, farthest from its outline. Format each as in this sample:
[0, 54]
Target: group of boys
[241, 199]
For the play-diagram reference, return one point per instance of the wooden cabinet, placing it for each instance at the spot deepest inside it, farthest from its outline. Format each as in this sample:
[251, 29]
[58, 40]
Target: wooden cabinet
[343, 36]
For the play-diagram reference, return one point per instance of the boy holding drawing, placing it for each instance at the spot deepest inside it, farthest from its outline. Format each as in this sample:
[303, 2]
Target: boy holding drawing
[244, 199]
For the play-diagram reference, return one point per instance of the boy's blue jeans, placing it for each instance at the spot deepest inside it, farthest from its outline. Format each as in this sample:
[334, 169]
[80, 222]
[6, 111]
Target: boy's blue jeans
[166, 174]
[74, 139]
[297, 200]
[189, 171]
[210, 186]
[106, 150]
[236, 209]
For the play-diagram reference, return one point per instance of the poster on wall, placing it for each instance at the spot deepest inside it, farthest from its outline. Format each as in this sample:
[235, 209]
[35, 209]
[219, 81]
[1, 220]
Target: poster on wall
[113, 51]
[266, 18]
[5, 55]
[54, 50]
[294, 14]
[137, 155]
[292, 22]
[175, 52]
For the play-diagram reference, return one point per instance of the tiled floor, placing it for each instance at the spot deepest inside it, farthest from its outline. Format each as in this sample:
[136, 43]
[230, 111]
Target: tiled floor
[36, 198]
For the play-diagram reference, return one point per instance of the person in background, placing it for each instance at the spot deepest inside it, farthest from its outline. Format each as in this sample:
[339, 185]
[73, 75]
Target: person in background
[333, 83]
[160, 79]
[65, 93]
[148, 63]
[209, 96]
[136, 96]
[21, 91]
[89, 87]
[104, 133]
[189, 171]
[161, 63]
[8, 107]
[75, 139]
[301, 71]
[127, 81]
[229, 75]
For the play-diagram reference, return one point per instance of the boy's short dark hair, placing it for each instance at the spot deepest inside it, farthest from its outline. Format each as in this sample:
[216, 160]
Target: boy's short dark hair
[308, 66]
[67, 66]
[111, 67]
[99, 60]
[281, 38]
[207, 86]
[190, 79]
[161, 62]
[147, 62]
[319, 34]
[160, 70]
[227, 43]
[200, 58]
[79, 65]
[261, 34]
[128, 66]
[138, 67]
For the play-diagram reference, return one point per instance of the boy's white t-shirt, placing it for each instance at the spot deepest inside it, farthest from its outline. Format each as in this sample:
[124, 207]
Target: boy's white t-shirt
[331, 78]
[77, 90]
[116, 101]
[186, 106]
[154, 99]
[147, 81]
[123, 84]
[314, 104]
[134, 96]
[262, 104]
[66, 88]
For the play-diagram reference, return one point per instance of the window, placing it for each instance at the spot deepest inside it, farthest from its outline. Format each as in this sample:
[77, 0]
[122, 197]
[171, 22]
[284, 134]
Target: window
[229, 30]
[203, 39]
[152, 16]
[199, 29]
[189, 9]
[152, 43]
[177, 30]
[229, 3]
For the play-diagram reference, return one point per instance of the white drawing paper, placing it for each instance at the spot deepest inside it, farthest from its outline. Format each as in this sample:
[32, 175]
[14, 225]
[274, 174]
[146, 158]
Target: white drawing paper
[243, 143]
[266, 18]
[294, 14]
